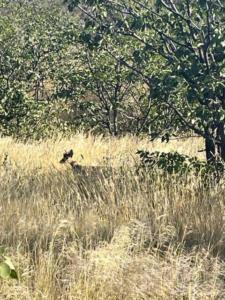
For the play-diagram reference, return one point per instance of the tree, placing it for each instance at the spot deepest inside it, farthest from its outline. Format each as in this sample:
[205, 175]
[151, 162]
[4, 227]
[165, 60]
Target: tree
[103, 93]
[117, 95]
[189, 37]
[29, 56]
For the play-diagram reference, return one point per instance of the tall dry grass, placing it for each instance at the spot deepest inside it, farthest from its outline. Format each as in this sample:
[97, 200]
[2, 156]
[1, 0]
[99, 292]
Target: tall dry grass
[108, 235]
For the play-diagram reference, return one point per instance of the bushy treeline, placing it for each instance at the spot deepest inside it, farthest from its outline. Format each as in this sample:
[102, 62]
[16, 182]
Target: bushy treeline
[32, 41]
[50, 80]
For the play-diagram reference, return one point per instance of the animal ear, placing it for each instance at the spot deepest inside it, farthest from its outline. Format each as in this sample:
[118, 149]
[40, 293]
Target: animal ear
[62, 161]
[70, 153]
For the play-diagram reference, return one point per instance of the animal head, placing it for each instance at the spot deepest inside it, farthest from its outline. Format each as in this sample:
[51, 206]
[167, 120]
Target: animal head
[67, 156]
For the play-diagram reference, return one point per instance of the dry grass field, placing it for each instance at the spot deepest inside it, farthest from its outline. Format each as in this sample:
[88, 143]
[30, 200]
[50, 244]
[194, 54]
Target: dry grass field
[108, 235]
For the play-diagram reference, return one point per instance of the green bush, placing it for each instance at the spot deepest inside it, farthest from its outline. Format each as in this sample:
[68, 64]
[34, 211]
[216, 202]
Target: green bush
[175, 163]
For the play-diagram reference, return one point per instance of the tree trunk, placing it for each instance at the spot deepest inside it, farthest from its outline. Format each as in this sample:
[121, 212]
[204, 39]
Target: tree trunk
[210, 149]
[220, 141]
[215, 144]
[114, 120]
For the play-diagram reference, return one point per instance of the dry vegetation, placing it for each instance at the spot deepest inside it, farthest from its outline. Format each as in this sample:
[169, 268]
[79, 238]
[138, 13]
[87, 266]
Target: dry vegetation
[108, 235]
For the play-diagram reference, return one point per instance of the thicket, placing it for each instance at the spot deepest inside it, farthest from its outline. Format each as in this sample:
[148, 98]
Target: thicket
[179, 53]
[50, 81]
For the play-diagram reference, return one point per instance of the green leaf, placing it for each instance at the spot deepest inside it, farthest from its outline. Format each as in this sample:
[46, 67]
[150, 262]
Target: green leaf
[5, 270]
[9, 262]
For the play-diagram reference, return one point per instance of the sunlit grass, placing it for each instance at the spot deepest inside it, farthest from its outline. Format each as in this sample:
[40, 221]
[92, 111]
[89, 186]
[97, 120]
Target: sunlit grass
[105, 235]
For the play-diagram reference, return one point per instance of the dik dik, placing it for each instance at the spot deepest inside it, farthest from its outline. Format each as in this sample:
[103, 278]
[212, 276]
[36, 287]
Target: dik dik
[67, 158]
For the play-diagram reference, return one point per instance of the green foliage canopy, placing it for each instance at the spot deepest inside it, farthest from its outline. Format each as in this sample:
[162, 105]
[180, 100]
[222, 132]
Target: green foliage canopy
[188, 36]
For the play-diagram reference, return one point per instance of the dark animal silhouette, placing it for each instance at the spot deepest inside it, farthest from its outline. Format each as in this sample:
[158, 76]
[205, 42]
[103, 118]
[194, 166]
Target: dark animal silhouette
[67, 158]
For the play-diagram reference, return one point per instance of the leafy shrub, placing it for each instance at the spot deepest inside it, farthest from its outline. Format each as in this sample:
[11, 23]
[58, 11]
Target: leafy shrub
[175, 163]
[34, 120]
